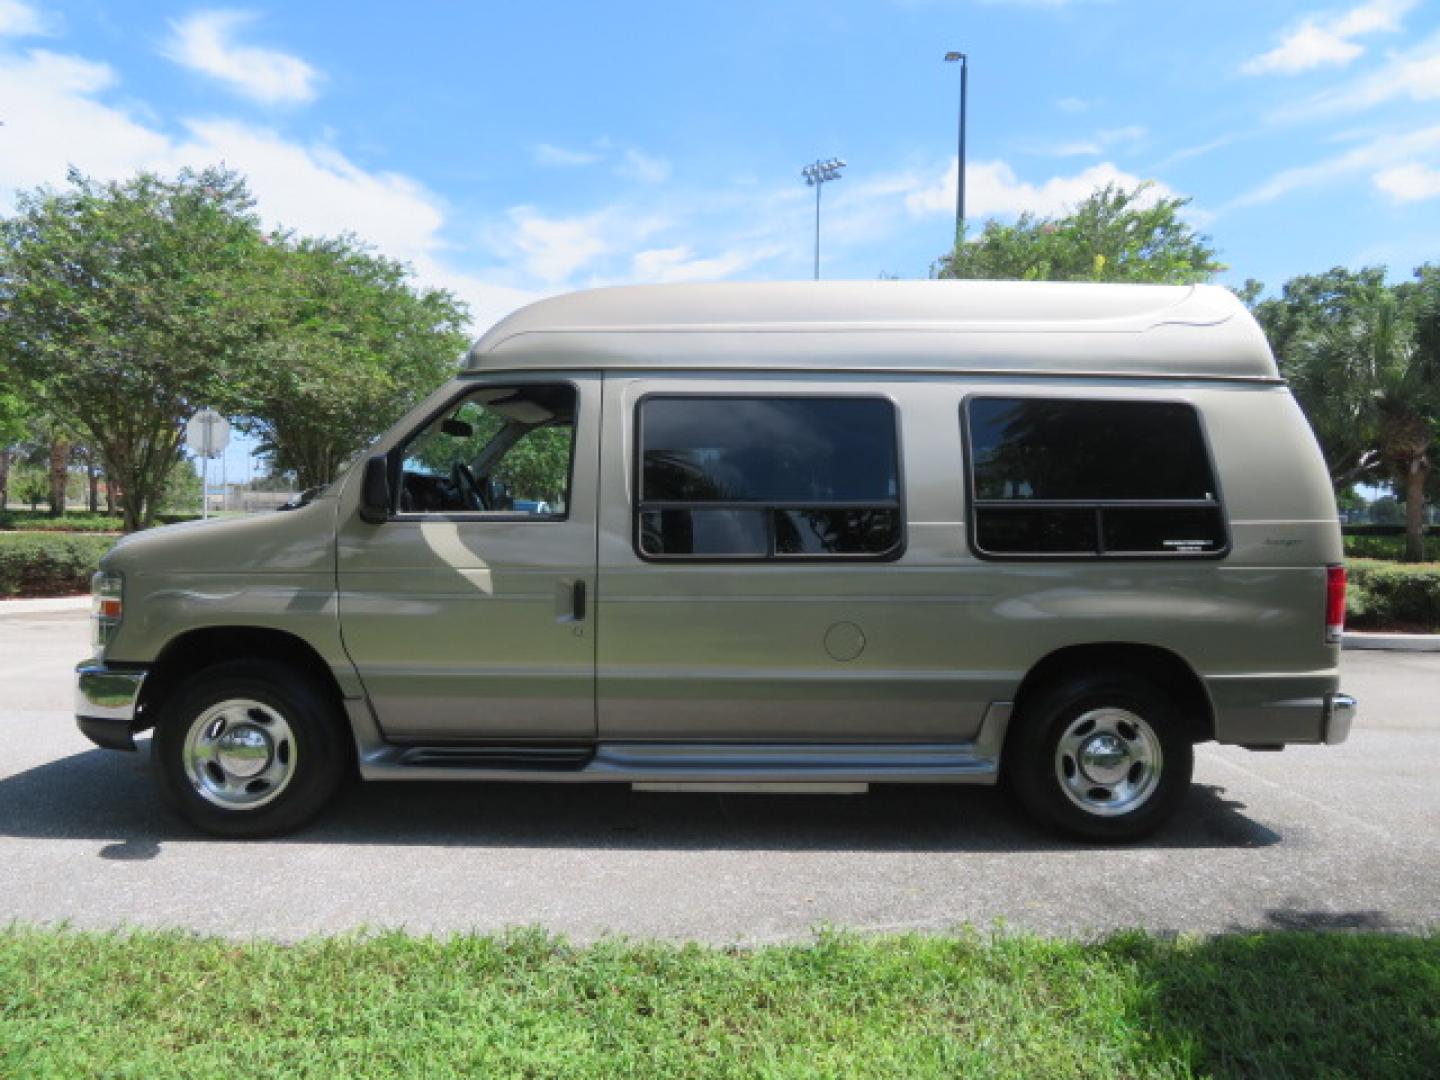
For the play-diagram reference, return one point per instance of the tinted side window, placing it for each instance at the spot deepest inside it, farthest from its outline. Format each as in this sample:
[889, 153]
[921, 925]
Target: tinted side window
[1067, 477]
[768, 477]
[1033, 448]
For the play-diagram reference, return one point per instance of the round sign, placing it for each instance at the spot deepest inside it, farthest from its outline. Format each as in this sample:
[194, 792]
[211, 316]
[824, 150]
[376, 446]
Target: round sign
[208, 433]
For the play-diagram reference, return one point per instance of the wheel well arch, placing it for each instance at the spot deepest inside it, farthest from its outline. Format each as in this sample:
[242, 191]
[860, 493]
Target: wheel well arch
[196, 649]
[1165, 668]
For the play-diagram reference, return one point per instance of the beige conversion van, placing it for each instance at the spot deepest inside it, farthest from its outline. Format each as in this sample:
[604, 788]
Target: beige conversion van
[767, 536]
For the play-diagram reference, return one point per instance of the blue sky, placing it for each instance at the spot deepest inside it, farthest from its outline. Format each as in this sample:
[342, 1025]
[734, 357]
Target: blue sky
[511, 151]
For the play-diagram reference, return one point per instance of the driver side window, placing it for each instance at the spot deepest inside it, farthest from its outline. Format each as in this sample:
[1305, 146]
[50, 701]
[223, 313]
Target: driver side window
[499, 450]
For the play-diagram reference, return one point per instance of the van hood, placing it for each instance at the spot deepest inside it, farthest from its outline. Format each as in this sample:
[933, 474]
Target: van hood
[289, 541]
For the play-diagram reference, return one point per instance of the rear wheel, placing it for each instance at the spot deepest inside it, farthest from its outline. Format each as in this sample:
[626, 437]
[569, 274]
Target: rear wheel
[1102, 756]
[249, 748]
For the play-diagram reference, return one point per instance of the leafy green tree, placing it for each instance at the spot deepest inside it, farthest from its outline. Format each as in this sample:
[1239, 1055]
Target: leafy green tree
[1306, 326]
[130, 304]
[1113, 235]
[539, 465]
[1386, 511]
[183, 489]
[31, 485]
[13, 429]
[1360, 359]
[352, 344]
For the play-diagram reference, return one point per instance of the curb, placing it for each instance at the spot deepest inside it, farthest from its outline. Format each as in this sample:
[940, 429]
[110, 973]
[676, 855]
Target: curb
[44, 605]
[1393, 642]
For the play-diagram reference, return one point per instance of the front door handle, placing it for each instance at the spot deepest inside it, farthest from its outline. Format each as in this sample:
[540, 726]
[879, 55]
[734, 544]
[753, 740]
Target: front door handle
[577, 601]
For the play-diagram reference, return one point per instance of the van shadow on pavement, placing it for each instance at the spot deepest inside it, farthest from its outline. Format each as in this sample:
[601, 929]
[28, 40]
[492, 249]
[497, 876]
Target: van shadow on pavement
[102, 795]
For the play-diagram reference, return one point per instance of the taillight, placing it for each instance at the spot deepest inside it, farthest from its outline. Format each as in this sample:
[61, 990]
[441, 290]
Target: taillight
[1334, 604]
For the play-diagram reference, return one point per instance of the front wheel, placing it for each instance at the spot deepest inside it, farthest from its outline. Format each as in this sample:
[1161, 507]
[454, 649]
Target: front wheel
[1103, 757]
[249, 748]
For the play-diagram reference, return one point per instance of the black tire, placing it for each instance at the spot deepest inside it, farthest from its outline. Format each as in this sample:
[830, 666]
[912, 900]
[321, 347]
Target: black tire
[308, 750]
[1056, 795]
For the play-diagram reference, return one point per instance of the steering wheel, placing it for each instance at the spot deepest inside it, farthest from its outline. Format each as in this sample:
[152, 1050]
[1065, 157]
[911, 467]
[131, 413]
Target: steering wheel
[466, 485]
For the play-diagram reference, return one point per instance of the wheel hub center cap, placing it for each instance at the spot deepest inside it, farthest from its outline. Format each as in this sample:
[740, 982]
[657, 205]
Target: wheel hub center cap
[1105, 759]
[243, 751]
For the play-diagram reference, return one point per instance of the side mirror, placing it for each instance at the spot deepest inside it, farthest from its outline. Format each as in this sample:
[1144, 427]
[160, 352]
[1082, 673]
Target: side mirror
[457, 428]
[375, 491]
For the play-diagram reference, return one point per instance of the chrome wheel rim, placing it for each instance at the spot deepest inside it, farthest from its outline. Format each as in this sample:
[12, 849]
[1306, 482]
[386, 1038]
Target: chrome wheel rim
[1108, 762]
[239, 754]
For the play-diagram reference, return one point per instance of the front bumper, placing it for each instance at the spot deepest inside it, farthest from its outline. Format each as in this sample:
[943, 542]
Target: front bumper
[105, 703]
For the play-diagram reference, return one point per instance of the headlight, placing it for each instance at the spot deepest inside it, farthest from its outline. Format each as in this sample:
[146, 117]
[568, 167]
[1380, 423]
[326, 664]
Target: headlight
[107, 603]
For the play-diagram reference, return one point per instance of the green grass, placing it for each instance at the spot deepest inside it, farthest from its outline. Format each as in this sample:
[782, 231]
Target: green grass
[1265, 1005]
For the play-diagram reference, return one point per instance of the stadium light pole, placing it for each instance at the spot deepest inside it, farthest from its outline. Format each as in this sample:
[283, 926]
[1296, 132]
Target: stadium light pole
[964, 62]
[817, 174]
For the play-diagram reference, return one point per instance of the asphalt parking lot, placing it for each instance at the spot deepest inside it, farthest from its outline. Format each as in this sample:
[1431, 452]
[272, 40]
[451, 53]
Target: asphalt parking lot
[1313, 837]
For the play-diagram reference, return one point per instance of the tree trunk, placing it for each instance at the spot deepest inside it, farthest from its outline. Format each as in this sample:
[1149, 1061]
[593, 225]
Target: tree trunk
[59, 475]
[92, 475]
[4, 478]
[1415, 476]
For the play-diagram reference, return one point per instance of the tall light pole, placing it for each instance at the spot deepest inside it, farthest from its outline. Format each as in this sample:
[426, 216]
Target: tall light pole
[817, 175]
[964, 62]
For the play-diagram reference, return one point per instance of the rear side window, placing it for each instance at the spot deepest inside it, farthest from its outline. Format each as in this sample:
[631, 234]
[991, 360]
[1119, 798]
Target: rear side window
[1075, 478]
[768, 478]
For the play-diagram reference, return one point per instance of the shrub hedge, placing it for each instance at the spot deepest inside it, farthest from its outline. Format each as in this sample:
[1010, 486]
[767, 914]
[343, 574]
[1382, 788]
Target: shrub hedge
[1398, 595]
[81, 521]
[1378, 546]
[49, 564]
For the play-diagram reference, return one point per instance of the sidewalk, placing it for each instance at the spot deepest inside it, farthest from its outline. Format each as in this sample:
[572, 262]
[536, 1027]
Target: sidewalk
[45, 606]
[1392, 642]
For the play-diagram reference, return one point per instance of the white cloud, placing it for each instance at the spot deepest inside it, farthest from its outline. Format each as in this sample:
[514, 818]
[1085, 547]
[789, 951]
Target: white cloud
[205, 42]
[1317, 42]
[554, 250]
[52, 120]
[992, 188]
[316, 189]
[549, 154]
[1412, 75]
[22, 20]
[679, 263]
[1096, 144]
[643, 168]
[1385, 153]
[1042, 3]
[1409, 183]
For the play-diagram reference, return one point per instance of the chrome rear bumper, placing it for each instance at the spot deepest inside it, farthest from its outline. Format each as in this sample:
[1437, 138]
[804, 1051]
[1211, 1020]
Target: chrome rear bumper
[1339, 714]
[105, 702]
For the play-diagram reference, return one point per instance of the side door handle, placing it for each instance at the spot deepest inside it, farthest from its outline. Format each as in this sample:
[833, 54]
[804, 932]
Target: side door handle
[577, 601]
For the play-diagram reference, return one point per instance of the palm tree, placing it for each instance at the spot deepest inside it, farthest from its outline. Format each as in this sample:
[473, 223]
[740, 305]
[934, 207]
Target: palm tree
[1389, 387]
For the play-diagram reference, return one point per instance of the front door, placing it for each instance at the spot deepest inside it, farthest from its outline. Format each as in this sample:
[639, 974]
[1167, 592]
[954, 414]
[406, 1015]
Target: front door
[468, 613]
